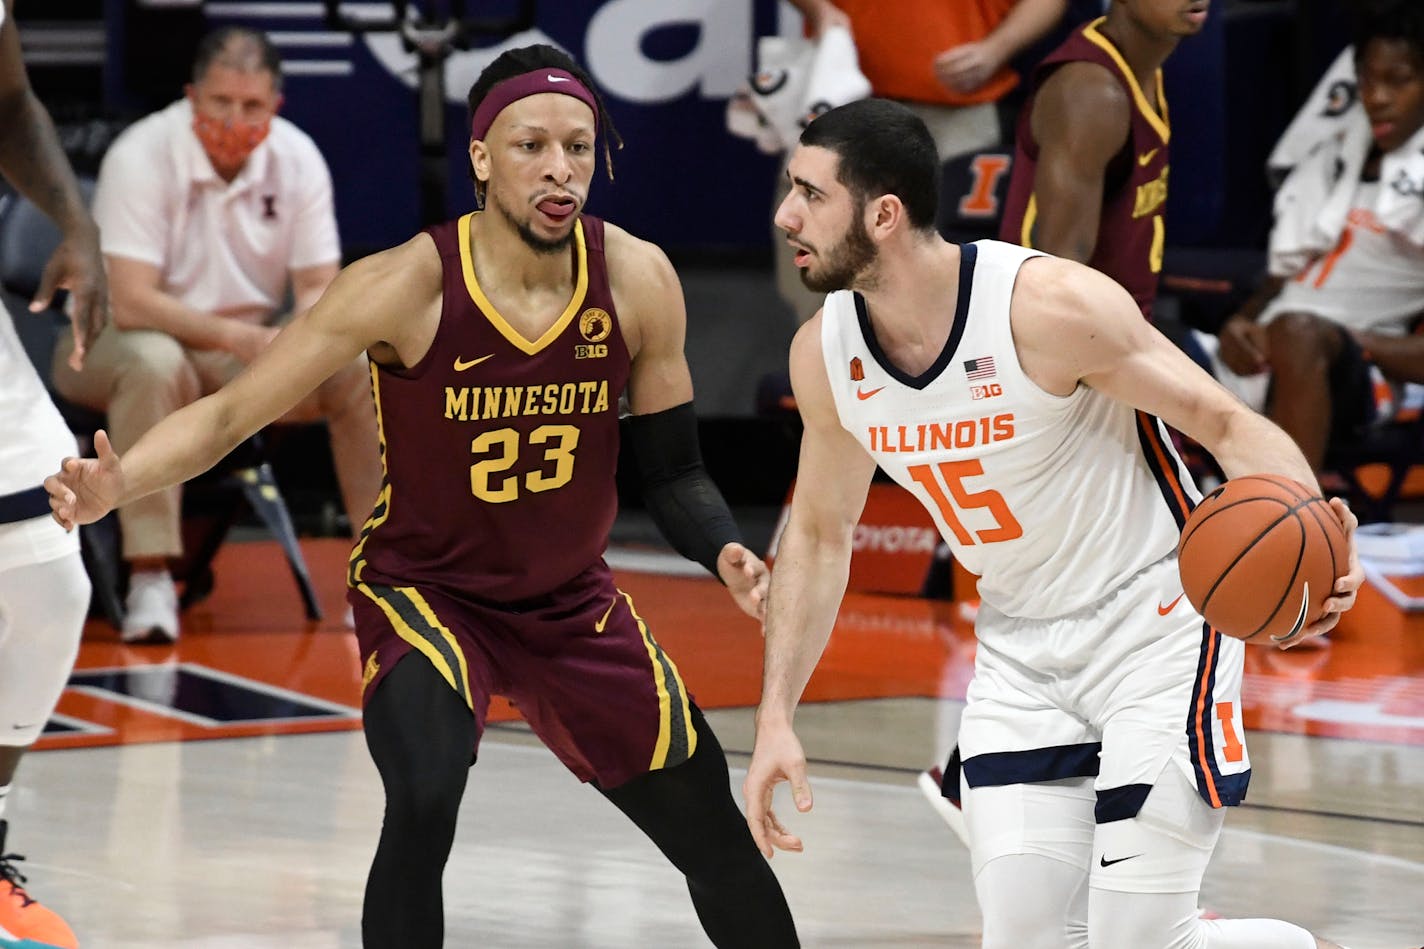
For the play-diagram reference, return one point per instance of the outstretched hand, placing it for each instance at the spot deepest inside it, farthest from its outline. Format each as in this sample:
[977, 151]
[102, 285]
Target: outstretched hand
[85, 489]
[77, 266]
[776, 757]
[747, 579]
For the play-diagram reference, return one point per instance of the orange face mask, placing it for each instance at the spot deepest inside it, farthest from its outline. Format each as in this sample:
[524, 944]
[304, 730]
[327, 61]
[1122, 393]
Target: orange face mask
[228, 144]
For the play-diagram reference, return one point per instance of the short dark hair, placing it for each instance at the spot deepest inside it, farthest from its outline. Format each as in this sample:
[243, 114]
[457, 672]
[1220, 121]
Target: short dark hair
[517, 62]
[1389, 20]
[227, 43]
[883, 148]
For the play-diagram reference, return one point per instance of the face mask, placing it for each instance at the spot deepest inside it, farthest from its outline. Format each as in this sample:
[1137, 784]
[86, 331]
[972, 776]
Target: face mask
[228, 144]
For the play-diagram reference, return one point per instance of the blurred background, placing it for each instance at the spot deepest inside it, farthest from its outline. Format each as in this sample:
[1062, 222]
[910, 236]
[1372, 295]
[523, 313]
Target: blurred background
[366, 93]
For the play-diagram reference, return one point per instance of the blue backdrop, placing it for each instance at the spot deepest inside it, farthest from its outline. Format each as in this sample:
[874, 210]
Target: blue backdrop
[666, 68]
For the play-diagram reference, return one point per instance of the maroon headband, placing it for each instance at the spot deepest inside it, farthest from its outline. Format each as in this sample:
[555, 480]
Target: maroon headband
[526, 84]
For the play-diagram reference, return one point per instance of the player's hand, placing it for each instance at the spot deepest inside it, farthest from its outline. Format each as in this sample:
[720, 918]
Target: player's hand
[77, 266]
[823, 16]
[966, 67]
[746, 577]
[85, 489]
[246, 341]
[776, 757]
[1244, 348]
[1346, 588]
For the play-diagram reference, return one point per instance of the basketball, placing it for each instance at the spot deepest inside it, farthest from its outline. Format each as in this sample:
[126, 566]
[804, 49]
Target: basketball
[1260, 555]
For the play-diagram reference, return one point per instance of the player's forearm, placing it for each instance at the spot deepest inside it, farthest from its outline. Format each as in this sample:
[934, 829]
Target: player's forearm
[1026, 24]
[32, 160]
[1252, 444]
[806, 590]
[181, 447]
[687, 507]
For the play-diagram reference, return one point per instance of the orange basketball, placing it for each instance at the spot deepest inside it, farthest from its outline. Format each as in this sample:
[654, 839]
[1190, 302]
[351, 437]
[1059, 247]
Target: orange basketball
[1260, 555]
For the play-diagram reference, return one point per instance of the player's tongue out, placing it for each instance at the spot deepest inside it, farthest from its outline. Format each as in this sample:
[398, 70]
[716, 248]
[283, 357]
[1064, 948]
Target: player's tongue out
[557, 208]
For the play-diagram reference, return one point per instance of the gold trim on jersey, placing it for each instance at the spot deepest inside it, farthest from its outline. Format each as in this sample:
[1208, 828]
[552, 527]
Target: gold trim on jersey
[414, 621]
[356, 563]
[1160, 122]
[477, 295]
[663, 669]
[1030, 219]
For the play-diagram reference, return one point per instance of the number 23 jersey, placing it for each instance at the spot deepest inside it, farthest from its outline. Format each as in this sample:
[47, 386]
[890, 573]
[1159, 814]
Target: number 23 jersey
[1053, 501]
[499, 451]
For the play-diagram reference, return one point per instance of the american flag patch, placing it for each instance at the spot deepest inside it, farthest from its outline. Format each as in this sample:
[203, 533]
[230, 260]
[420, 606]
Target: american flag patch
[981, 368]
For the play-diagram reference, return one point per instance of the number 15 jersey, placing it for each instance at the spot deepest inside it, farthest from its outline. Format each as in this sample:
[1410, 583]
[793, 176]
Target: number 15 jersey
[499, 451]
[1053, 501]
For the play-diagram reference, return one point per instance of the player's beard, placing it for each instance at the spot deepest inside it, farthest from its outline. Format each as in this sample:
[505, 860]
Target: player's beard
[540, 245]
[843, 264]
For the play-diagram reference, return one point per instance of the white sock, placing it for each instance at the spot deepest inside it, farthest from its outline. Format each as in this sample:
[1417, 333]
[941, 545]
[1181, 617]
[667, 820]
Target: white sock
[4, 790]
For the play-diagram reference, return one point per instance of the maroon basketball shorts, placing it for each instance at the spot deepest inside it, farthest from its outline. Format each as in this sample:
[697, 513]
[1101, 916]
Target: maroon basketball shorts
[579, 664]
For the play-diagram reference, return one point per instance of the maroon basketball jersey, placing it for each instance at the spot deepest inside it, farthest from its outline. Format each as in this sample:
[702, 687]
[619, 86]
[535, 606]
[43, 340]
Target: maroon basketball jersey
[499, 451]
[1131, 229]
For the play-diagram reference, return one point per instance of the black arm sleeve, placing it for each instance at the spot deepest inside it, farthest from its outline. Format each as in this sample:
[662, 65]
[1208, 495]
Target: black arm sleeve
[685, 504]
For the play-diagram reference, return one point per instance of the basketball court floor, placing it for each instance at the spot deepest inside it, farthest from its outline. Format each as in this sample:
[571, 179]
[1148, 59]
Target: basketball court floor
[218, 793]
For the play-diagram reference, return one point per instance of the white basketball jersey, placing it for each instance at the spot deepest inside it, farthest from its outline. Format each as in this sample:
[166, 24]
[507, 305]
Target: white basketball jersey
[1053, 501]
[35, 437]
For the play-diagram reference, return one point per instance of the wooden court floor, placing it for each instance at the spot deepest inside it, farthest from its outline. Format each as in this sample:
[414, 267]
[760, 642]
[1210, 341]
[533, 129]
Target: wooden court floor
[218, 793]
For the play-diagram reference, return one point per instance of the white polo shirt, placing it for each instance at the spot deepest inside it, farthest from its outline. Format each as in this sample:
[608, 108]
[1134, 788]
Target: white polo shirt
[219, 245]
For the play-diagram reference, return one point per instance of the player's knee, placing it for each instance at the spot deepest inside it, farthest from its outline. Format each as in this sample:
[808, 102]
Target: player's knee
[423, 808]
[1296, 338]
[1041, 916]
[157, 362]
[1108, 931]
[1026, 930]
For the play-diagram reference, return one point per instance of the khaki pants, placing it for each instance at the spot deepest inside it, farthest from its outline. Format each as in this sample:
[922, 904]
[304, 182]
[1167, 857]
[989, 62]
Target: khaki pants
[956, 131]
[139, 377]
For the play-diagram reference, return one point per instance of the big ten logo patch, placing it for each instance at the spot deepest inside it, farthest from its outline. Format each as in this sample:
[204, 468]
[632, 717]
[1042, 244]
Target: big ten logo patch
[594, 325]
[990, 391]
[982, 199]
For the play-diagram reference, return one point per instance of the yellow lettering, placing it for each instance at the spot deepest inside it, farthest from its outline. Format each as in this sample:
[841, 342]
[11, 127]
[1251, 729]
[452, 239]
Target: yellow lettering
[513, 395]
[491, 404]
[457, 403]
[551, 398]
[568, 396]
[602, 404]
[587, 389]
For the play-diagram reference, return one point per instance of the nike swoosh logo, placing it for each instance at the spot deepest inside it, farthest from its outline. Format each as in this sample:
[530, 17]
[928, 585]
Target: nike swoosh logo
[1300, 617]
[462, 364]
[555, 78]
[1146, 157]
[863, 394]
[1164, 610]
[598, 627]
[1103, 861]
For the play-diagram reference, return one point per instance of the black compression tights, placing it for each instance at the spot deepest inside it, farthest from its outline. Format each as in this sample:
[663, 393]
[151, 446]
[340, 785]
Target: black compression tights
[420, 734]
